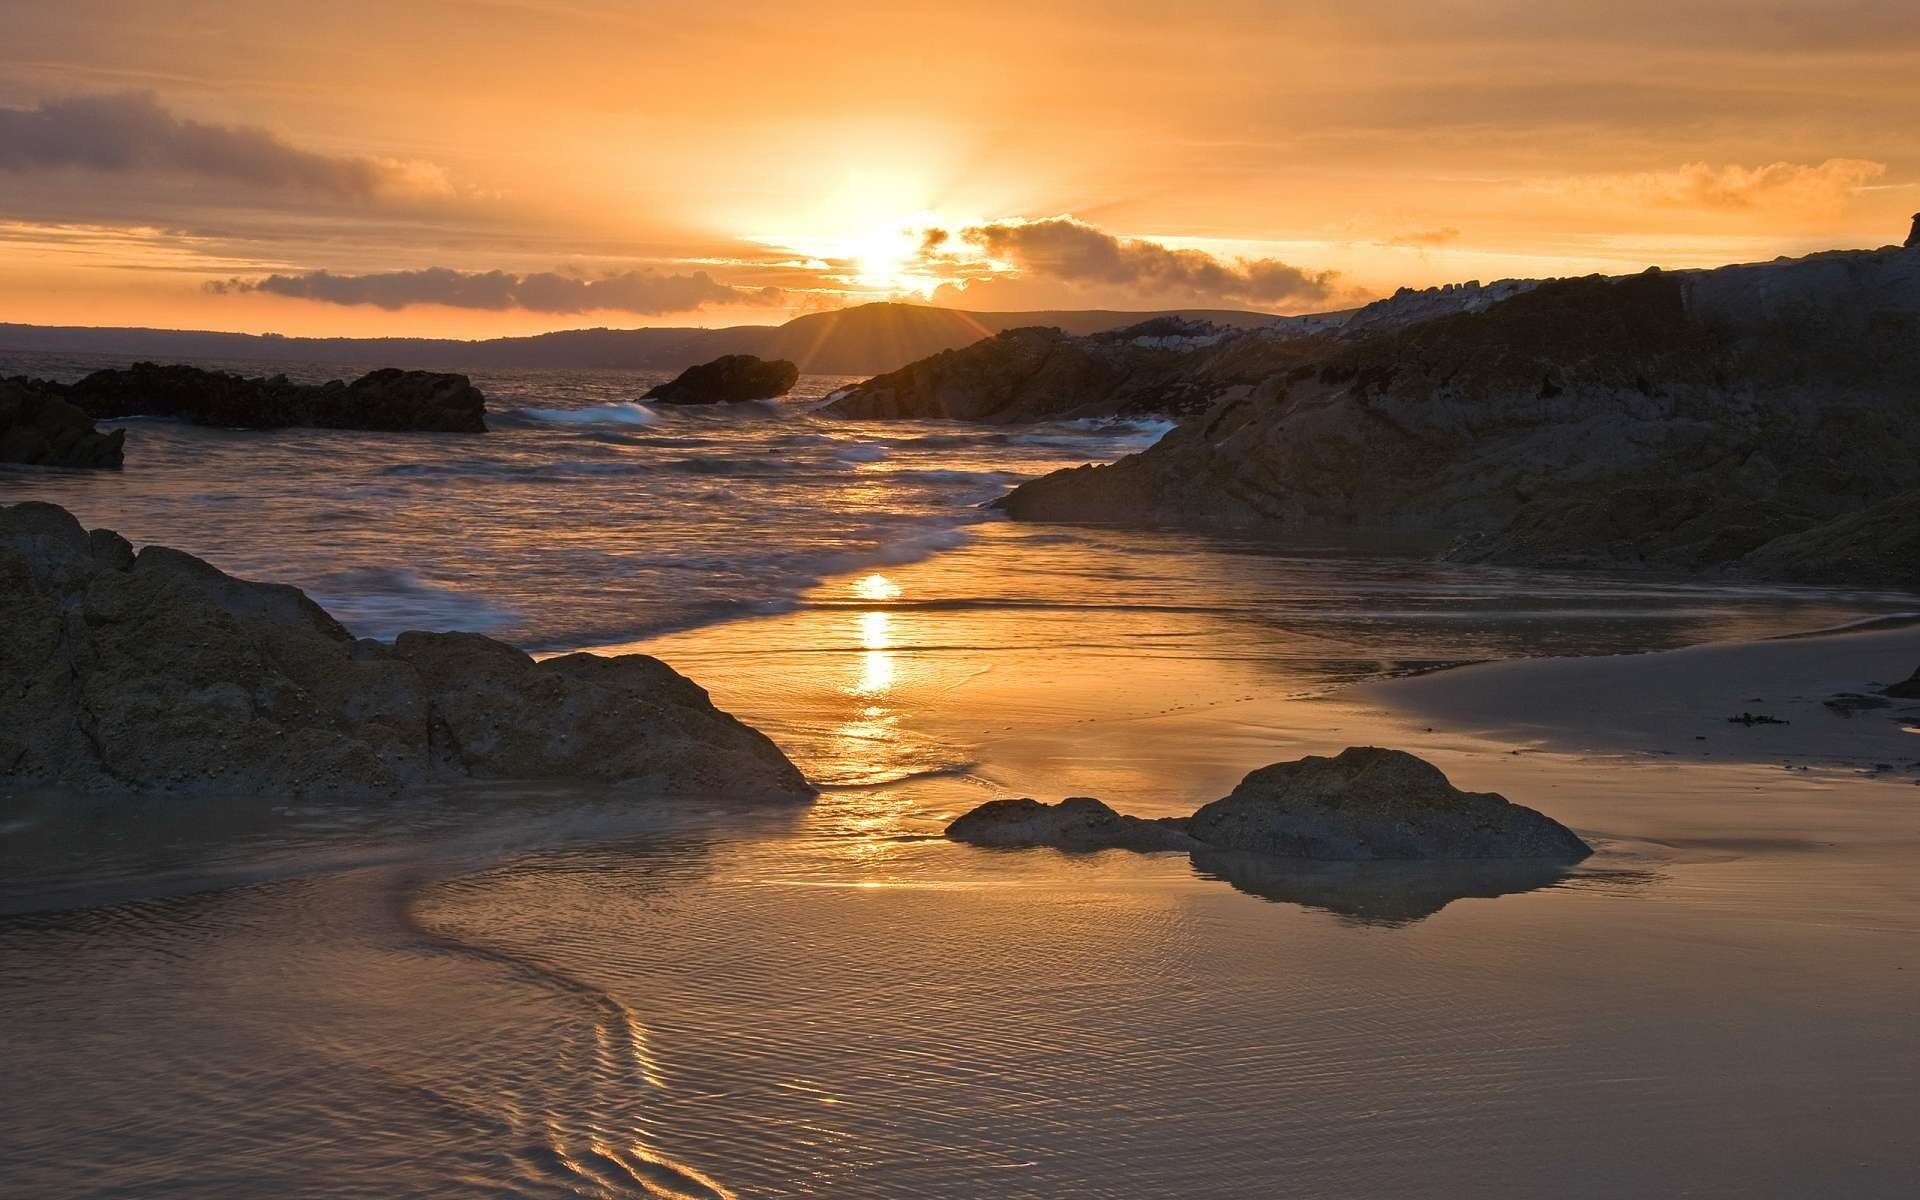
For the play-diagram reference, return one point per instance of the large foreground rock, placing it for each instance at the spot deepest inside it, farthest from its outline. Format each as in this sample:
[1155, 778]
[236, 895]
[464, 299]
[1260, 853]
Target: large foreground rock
[729, 379]
[1076, 823]
[1364, 804]
[1749, 419]
[1369, 803]
[45, 430]
[389, 400]
[155, 671]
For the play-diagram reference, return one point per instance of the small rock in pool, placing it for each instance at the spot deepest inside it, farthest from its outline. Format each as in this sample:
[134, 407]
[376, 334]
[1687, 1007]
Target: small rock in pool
[1076, 823]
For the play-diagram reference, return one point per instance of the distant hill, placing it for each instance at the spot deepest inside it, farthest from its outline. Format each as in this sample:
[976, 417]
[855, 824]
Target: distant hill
[865, 340]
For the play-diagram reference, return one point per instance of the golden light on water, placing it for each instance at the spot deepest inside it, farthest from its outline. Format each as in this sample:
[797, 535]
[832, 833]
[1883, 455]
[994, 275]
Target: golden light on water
[876, 587]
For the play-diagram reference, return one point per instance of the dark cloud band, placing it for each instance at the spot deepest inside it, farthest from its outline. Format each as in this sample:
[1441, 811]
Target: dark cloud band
[1065, 249]
[133, 132]
[643, 292]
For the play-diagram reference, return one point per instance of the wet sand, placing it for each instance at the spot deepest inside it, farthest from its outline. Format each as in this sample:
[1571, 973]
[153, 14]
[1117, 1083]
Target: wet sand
[571, 996]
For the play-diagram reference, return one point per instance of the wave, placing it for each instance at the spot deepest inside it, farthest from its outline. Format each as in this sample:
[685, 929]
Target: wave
[384, 602]
[625, 412]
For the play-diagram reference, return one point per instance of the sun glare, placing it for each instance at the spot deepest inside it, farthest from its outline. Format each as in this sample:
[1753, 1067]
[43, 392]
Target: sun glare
[884, 254]
[876, 587]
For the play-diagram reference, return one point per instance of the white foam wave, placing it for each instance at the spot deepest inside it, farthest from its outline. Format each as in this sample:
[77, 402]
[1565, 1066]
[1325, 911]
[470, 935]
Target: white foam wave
[625, 412]
[384, 602]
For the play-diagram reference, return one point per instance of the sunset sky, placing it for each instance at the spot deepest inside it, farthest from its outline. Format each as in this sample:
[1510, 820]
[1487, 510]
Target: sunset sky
[480, 167]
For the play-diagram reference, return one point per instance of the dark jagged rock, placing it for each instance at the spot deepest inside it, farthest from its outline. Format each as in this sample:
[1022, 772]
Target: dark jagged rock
[1908, 688]
[389, 400]
[1163, 366]
[1370, 803]
[1913, 235]
[1749, 418]
[156, 672]
[44, 430]
[1364, 804]
[1076, 823]
[729, 379]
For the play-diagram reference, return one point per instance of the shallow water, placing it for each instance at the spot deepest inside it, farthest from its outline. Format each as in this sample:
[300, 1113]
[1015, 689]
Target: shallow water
[583, 515]
[520, 992]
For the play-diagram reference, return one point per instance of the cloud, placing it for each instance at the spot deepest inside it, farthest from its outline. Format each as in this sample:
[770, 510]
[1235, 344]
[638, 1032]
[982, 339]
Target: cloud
[1426, 238]
[643, 292]
[1073, 252]
[132, 131]
[1790, 188]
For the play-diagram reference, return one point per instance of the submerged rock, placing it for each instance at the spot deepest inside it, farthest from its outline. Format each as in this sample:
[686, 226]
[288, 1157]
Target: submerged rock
[729, 379]
[388, 400]
[44, 430]
[1076, 823]
[1908, 688]
[1371, 803]
[157, 672]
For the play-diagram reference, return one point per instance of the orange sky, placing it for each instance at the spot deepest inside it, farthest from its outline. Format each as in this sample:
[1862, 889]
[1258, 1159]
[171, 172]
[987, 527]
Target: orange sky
[477, 167]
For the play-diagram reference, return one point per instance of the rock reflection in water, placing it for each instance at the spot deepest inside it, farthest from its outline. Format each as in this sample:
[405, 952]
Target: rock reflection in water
[1377, 893]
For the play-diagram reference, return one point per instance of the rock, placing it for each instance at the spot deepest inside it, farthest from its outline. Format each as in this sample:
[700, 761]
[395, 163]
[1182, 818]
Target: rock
[1877, 546]
[1750, 419]
[388, 400]
[1908, 688]
[1913, 235]
[1364, 804]
[1077, 823]
[1846, 704]
[1163, 366]
[44, 430]
[156, 672]
[729, 379]
[1370, 803]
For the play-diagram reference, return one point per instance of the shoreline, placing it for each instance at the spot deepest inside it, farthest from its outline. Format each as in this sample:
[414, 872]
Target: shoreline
[1676, 704]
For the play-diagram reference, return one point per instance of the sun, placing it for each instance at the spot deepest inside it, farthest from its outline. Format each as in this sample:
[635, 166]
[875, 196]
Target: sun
[886, 255]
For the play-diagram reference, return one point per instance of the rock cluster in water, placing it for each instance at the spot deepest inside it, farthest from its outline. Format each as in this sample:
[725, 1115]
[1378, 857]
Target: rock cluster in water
[729, 379]
[44, 430]
[156, 672]
[1364, 804]
[388, 400]
[1761, 419]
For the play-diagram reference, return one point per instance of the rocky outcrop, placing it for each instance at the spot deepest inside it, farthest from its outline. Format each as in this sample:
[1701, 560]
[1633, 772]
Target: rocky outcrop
[1908, 688]
[1369, 803]
[729, 379]
[1076, 823]
[388, 400]
[1164, 366]
[156, 672]
[1364, 804]
[44, 430]
[1679, 421]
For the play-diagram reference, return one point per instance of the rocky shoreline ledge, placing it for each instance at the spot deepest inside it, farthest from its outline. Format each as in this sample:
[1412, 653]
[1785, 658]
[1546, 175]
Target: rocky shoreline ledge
[389, 400]
[155, 672]
[1763, 420]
